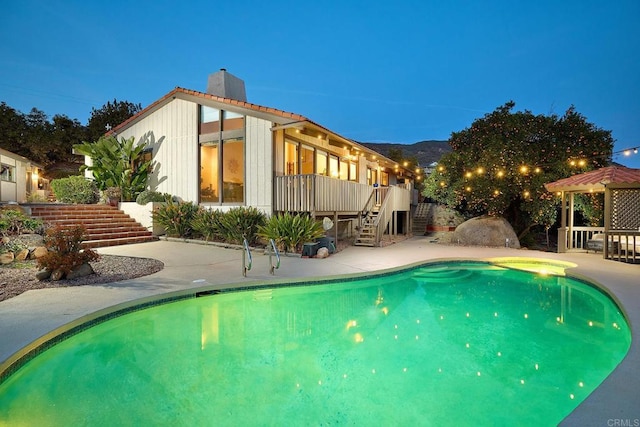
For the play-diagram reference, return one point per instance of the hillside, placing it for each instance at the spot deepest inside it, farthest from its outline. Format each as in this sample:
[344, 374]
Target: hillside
[426, 152]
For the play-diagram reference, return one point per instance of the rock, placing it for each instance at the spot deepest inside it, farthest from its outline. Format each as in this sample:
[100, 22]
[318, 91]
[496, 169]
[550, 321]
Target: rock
[38, 252]
[57, 274]
[22, 255]
[5, 240]
[43, 274]
[80, 271]
[486, 231]
[31, 240]
[322, 253]
[6, 258]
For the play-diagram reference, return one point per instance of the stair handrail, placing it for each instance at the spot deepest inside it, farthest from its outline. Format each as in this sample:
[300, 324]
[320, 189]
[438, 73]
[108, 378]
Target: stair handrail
[272, 245]
[246, 254]
[369, 204]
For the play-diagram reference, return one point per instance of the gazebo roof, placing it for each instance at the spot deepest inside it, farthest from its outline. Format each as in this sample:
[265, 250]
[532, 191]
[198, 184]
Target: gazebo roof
[597, 180]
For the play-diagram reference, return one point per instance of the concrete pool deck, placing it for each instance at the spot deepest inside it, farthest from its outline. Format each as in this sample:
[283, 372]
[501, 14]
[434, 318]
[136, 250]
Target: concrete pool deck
[29, 316]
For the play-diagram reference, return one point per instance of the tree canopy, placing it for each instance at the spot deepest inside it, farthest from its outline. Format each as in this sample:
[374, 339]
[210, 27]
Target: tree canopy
[49, 141]
[109, 116]
[499, 165]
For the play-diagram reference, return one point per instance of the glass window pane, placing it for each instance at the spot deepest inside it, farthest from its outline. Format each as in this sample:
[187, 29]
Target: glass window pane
[352, 172]
[290, 158]
[333, 166]
[233, 171]
[209, 120]
[321, 163]
[209, 174]
[7, 173]
[231, 121]
[344, 170]
[384, 181]
[306, 160]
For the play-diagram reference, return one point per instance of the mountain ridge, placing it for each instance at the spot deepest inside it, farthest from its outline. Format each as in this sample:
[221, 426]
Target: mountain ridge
[426, 152]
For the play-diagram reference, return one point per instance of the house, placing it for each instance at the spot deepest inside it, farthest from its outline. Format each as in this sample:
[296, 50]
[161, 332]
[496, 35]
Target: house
[218, 150]
[19, 177]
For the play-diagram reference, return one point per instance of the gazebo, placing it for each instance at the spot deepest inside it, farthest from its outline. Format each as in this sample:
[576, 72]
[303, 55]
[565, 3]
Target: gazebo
[620, 236]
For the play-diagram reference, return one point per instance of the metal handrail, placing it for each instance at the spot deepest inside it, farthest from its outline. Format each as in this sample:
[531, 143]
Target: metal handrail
[272, 267]
[246, 254]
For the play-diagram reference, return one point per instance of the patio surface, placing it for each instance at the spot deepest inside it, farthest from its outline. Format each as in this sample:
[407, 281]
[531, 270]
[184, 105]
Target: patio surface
[33, 314]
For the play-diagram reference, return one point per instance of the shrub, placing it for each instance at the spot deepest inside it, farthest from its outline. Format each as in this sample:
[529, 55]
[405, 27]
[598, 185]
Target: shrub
[176, 217]
[75, 189]
[65, 249]
[12, 245]
[14, 222]
[152, 196]
[241, 223]
[289, 232]
[206, 222]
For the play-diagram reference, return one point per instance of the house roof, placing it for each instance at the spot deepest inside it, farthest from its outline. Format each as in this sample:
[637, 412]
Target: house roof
[597, 180]
[186, 93]
[20, 158]
[281, 117]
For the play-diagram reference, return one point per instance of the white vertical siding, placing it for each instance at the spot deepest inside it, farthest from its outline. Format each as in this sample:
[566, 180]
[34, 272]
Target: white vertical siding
[21, 182]
[259, 164]
[173, 131]
[8, 189]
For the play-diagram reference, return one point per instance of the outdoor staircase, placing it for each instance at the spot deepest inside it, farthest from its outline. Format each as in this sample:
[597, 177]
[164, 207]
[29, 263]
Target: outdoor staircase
[367, 233]
[421, 218]
[105, 225]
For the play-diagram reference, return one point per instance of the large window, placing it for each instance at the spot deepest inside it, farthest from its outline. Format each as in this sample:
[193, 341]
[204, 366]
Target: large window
[353, 175]
[306, 160]
[384, 179]
[290, 157]
[334, 171]
[344, 170]
[221, 156]
[321, 163]
[7, 173]
[233, 170]
[209, 191]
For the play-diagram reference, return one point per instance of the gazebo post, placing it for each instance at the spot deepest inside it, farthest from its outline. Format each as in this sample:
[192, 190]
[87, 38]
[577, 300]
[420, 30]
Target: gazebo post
[607, 221]
[562, 231]
[570, 213]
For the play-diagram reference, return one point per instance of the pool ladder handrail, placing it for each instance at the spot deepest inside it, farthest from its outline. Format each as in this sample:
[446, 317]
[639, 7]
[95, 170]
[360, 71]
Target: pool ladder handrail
[272, 268]
[246, 254]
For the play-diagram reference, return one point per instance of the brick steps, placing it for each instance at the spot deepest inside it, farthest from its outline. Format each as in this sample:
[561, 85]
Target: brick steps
[104, 225]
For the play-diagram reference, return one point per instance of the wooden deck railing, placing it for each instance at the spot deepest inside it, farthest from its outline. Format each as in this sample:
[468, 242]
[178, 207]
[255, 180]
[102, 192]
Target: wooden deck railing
[579, 236]
[318, 193]
[622, 245]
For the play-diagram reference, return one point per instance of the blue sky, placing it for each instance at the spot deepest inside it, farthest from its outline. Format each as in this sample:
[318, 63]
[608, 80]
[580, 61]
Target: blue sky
[376, 71]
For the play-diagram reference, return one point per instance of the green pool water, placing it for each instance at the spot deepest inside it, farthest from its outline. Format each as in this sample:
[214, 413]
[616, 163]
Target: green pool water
[443, 344]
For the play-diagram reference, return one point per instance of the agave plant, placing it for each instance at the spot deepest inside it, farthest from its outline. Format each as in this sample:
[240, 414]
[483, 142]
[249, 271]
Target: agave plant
[290, 232]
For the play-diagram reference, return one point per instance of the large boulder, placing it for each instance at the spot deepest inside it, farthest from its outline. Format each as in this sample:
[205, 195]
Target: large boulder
[486, 231]
[82, 270]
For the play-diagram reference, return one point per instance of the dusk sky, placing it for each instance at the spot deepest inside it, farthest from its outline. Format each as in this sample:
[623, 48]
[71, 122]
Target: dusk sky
[372, 71]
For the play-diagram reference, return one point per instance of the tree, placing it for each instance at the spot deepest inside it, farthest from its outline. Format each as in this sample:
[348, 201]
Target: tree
[12, 129]
[35, 137]
[499, 165]
[109, 116]
[118, 164]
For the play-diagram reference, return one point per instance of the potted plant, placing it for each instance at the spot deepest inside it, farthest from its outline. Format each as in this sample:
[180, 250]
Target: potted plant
[113, 195]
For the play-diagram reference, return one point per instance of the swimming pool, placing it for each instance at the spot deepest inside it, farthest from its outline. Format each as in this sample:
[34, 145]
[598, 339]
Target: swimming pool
[463, 342]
